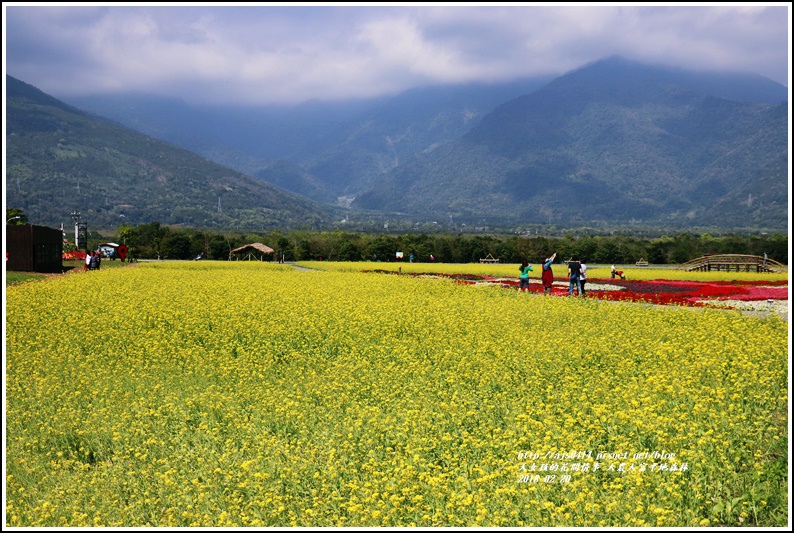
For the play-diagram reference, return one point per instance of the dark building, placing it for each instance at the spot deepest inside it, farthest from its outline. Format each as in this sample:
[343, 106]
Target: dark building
[32, 248]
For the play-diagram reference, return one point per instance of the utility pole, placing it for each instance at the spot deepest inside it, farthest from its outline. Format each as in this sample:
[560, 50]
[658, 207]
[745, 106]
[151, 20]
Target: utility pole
[76, 217]
[80, 231]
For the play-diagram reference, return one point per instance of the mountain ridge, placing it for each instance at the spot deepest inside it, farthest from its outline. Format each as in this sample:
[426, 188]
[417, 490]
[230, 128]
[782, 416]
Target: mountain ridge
[612, 142]
[639, 152]
[61, 159]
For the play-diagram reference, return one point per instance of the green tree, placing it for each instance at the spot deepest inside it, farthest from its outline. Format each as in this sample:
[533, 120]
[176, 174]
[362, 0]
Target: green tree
[16, 217]
[382, 248]
[199, 244]
[218, 248]
[144, 242]
[659, 250]
[708, 245]
[302, 250]
[124, 233]
[349, 251]
[283, 244]
[586, 247]
[777, 248]
[506, 252]
[444, 248]
[176, 245]
[685, 247]
[566, 248]
[607, 252]
[420, 245]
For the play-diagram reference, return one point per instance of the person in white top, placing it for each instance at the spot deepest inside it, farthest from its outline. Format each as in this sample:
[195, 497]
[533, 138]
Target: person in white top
[582, 277]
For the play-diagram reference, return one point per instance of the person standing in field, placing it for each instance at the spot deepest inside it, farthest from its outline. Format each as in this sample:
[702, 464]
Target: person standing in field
[574, 270]
[87, 261]
[525, 269]
[582, 277]
[94, 263]
[547, 275]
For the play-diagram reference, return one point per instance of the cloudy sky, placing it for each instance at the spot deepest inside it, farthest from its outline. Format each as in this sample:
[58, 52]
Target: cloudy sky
[261, 53]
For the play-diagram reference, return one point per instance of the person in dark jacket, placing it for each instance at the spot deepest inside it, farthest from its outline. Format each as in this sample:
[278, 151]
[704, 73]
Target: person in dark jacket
[94, 261]
[574, 270]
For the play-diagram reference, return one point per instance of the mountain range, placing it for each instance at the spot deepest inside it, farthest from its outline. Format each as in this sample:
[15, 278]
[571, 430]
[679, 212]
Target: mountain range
[61, 160]
[615, 141]
[322, 150]
[612, 143]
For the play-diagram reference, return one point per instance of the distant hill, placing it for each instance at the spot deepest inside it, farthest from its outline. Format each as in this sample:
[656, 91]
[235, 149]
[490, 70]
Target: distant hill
[294, 178]
[382, 138]
[615, 141]
[60, 159]
[343, 148]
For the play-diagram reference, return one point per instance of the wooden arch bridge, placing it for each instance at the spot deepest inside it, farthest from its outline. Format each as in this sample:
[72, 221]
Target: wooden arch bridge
[737, 262]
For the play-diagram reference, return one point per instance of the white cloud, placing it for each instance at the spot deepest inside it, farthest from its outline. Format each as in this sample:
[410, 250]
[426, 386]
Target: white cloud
[288, 54]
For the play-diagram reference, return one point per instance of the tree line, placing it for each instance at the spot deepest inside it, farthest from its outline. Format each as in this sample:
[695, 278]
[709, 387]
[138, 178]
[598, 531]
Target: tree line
[154, 240]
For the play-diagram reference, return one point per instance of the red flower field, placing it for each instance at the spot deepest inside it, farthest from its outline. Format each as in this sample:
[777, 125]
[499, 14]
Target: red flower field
[662, 292]
[665, 292]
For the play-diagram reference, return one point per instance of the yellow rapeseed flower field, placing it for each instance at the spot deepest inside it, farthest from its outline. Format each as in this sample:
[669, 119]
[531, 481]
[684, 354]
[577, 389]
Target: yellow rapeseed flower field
[254, 394]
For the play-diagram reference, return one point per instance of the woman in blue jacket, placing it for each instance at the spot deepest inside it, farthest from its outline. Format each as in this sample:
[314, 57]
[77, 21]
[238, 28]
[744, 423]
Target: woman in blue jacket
[548, 276]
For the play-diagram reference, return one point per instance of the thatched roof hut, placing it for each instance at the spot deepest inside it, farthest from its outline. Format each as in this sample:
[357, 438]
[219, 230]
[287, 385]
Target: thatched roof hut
[256, 251]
